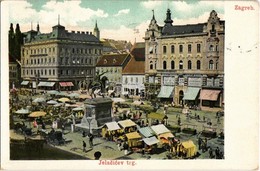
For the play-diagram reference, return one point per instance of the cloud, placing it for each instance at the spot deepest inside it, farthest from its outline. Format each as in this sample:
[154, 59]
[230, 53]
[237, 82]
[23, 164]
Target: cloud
[151, 4]
[71, 13]
[123, 11]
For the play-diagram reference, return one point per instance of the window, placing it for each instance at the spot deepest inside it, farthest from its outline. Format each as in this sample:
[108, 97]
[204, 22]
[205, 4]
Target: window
[198, 64]
[53, 72]
[131, 79]
[53, 60]
[198, 48]
[172, 49]
[211, 64]
[181, 65]
[216, 47]
[189, 48]
[45, 72]
[126, 81]
[136, 80]
[49, 72]
[211, 48]
[164, 49]
[151, 65]
[150, 50]
[73, 50]
[181, 48]
[189, 64]
[172, 65]
[164, 65]
[216, 65]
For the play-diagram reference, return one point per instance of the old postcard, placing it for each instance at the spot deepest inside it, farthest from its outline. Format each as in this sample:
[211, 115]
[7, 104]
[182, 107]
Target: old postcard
[129, 85]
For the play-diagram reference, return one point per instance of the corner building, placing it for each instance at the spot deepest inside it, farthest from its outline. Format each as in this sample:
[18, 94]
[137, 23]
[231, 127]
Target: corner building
[185, 63]
[60, 59]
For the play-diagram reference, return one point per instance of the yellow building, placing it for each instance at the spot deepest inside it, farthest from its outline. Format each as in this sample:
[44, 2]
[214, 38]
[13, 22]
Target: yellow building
[185, 63]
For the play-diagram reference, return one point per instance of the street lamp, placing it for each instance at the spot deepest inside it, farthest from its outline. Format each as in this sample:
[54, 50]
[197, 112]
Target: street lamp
[89, 119]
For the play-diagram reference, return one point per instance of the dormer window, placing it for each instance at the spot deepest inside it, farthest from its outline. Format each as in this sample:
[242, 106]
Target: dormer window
[114, 61]
[105, 61]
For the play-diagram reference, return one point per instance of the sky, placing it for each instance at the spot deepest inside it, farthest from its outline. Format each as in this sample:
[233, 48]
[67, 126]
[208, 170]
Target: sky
[116, 19]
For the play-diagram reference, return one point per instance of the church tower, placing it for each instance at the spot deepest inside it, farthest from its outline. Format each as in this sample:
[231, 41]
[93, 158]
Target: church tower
[96, 31]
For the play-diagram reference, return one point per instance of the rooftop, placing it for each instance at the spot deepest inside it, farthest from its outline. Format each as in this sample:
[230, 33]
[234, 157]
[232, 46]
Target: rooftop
[112, 60]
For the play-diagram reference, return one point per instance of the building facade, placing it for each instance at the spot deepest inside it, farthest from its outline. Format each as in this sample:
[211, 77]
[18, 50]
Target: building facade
[111, 67]
[133, 74]
[60, 59]
[185, 63]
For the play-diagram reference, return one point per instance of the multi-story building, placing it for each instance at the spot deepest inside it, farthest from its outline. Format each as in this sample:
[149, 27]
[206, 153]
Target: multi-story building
[185, 63]
[60, 59]
[133, 73]
[111, 67]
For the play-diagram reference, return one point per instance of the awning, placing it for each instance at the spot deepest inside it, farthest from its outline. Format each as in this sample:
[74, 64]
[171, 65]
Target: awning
[63, 84]
[160, 129]
[66, 84]
[133, 135]
[111, 126]
[151, 140]
[209, 95]
[126, 123]
[41, 84]
[146, 131]
[49, 84]
[158, 116]
[25, 83]
[166, 92]
[191, 93]
[188, 144]
[166, 135]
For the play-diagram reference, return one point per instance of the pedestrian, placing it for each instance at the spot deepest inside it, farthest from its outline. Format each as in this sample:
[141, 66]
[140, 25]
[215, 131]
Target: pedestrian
[43, 126]
[91, 137]
[221, 155]
[179, 121]
[217, 153]
[84, 146]
[210, 153]
[83, 134]
[126, 146]
[97, 155]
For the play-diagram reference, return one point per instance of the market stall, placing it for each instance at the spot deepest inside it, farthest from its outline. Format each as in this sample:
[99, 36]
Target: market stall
[110, 130]
[127, 125]
[133, 139]
[187, 149]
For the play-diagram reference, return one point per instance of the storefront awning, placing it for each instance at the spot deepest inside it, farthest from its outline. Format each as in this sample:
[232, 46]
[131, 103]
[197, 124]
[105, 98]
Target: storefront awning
[111, 126]
[160, 129]
[191, 93]
[166, 92]
[151, 140]
[126, 123]
[146, 131]
[42, 84]
[66, 84]
[25, 83]
[133, 135]
[209, 95]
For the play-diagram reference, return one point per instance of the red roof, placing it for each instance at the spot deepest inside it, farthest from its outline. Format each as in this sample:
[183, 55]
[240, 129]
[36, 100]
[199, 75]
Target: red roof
[134, 67]
[113, 60]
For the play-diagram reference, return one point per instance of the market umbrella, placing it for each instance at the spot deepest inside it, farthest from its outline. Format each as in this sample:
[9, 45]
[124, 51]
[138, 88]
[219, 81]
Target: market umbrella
[137, 102]
[73, 95]
[37, 114]
[77, 109]
[118, 100]
[84, 96]
[57, 105]
[52, 102]
[22, 111]
[64, 99]
[53, 92]
[62, 94]
[39, 100]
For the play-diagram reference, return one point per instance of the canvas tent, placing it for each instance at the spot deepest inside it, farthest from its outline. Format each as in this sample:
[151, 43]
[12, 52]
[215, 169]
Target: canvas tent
[133, 139]
[189, 149]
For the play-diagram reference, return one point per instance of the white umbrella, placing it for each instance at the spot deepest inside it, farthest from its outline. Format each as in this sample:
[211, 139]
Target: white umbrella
[58, 105]
[39, 100]
[62, 94]
[77, 109]
[73, 95]
[52, 92]
[52, 102]
[116, 100]
[22, 111]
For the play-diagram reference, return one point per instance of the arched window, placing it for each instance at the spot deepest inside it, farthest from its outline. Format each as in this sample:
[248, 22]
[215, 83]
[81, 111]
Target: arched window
[198, 48]
[172, 65]
[151, 65]
[180, 48]
[211, 48]
[181, 65]
[164, 49]
[164, 65]
[198, 64]
[211, 64]
[172, 49]
[189, 64]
